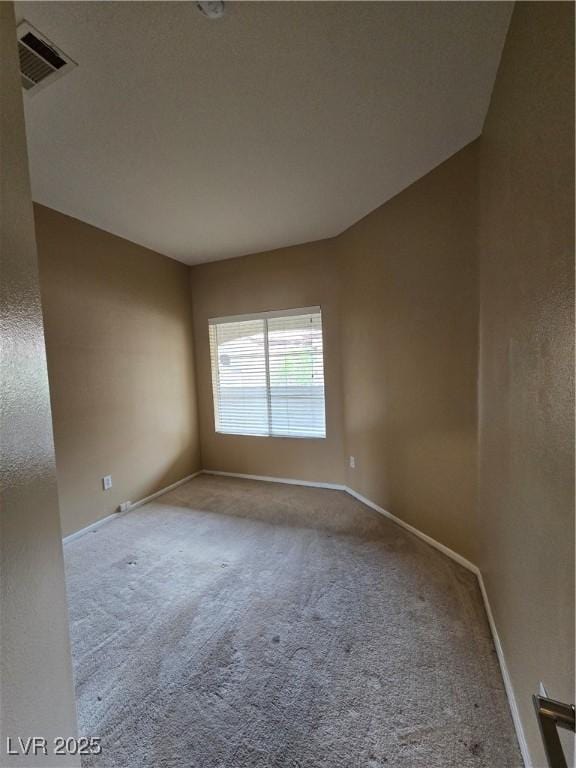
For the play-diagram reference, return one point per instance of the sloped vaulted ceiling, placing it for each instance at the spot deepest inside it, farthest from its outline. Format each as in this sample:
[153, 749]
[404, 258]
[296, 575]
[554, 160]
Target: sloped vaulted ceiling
[282, 122]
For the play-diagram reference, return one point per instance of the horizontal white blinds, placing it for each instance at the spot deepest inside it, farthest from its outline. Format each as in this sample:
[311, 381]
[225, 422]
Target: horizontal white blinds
[268, 374]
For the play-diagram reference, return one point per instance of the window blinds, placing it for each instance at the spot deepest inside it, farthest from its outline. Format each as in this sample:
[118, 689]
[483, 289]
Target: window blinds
[268, 374]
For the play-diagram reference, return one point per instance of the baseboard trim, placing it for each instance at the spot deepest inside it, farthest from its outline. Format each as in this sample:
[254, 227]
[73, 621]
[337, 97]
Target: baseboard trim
[338, 487]
[162, 491]
[519, 728]
[133, 505]
[415, 531]
[268, 479]
[91, 527]
[441, 548]
[495, 636]
[410, 528]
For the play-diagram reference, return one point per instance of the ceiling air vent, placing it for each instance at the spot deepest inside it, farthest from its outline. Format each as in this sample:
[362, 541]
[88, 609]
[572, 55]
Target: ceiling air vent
[40, 61]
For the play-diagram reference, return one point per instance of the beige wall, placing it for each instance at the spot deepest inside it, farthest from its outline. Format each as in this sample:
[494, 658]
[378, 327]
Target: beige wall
[119, 342]
[409, 345]
[526, 391]
[303, 276]
[35, 670]
[399, 299]
[400, 295]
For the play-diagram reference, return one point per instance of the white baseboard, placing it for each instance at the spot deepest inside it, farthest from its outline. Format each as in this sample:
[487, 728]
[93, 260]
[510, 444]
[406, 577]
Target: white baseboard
[424, 536]
[91, 527]
[268, 479]
[410, 528]
[505, 676]
[162, 491]
[495, 637]
[446, 551]
[134, 505]
[338, 487]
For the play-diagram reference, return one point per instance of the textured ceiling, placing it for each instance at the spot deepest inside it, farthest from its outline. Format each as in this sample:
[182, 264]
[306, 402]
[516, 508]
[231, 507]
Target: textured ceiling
[280, 123]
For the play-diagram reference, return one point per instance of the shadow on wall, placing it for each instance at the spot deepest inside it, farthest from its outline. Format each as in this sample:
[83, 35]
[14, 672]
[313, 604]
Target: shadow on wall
[410, 342]
[438, 503]
[121, 366]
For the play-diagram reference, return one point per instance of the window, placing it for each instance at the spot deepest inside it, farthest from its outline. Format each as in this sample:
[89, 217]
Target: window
[268, 373]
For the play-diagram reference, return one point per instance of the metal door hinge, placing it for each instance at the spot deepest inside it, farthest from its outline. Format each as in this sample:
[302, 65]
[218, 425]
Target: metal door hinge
[552, 715]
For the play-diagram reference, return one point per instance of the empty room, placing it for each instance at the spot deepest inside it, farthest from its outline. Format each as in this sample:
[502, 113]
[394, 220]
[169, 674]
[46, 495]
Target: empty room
[287, 384]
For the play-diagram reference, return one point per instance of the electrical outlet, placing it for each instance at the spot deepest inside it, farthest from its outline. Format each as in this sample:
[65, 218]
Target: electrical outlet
[352, 462]
[124, 507]
[107, 482]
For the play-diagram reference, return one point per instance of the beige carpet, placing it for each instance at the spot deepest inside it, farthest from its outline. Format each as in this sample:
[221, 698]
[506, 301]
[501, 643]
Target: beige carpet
[238, 624]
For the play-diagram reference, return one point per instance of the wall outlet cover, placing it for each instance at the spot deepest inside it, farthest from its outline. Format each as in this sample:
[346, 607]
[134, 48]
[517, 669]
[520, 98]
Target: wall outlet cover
[124, 507]
[107, 482]
[352, 462]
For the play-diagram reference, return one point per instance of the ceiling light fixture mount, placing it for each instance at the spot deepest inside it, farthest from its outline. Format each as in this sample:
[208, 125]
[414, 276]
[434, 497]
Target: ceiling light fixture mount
[212, 9]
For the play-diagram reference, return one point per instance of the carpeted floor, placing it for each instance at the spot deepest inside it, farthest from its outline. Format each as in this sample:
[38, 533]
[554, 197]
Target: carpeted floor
[239, 624]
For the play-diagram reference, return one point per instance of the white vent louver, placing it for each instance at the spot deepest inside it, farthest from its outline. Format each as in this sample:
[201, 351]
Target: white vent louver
[41, 62]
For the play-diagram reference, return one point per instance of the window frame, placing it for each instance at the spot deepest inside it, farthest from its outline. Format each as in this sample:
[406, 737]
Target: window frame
[266, 315]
